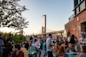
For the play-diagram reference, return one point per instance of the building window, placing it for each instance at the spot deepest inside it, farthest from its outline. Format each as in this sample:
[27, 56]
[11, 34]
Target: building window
[75, 3]
[78, 1]
[82, 6]
[77, 10]
[81, 0]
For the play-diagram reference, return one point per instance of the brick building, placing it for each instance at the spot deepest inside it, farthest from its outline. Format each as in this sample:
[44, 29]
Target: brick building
[77, 22]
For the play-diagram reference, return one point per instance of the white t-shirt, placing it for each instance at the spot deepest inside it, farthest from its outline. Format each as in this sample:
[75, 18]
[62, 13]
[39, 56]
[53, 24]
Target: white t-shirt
[83, 42]
[37, 44]
[48, 42]
[68, 39]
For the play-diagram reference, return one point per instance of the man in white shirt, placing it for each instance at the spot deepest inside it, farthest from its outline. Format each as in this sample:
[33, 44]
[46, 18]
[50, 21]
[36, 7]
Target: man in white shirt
[49, 45]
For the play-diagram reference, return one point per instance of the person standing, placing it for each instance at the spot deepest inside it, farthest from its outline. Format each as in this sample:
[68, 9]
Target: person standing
[49, 45]
[83, 53]
[55, 51]
[32, 50]
[1, 46]
[73, 40]
[7, 50]
[25, 49]
[83, 46]
[37, 46]
[18, 52]
[43, 48]
[70, 51]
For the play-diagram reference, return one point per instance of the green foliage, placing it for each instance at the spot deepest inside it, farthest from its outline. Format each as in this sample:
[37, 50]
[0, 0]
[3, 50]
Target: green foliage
[16, 38]
[11, 14]
[5, 35]
[19, 38]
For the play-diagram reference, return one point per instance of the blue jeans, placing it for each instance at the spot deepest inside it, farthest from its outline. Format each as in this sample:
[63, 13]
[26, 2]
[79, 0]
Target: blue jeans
[43, 53]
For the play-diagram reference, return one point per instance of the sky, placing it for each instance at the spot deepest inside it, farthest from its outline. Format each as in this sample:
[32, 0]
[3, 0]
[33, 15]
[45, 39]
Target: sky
[57, 11]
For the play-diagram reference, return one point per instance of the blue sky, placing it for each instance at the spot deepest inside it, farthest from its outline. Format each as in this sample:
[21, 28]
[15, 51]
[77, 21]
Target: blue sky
[57, 11]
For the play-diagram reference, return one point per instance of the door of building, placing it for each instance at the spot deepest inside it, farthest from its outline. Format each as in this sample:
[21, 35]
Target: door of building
[83, 27]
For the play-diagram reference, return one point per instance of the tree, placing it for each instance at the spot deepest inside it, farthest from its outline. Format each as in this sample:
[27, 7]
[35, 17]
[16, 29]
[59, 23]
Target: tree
[19, 38]
[11, 14]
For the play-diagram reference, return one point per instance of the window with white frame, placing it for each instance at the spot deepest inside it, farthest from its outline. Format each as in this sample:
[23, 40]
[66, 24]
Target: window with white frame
[82, 6]
[79, 1]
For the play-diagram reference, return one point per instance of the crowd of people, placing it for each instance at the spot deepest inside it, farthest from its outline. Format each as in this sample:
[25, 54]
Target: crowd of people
[45, 46]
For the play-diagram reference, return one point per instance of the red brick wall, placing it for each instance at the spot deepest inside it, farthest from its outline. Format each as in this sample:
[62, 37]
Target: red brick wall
[75, 25]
